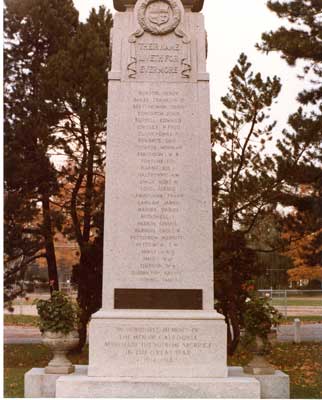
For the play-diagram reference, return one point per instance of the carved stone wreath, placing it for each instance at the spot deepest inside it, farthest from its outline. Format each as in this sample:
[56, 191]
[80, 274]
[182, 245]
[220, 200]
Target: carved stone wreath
[166, 21]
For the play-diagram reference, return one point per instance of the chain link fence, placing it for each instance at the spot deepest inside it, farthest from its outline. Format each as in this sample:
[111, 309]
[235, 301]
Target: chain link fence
[295, 302]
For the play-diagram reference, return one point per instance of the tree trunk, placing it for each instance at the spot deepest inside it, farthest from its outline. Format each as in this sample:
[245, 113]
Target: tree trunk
[49, 244]
[83, 295]
[83, 299]
[88, 194]
[82, 331]
[234, 338]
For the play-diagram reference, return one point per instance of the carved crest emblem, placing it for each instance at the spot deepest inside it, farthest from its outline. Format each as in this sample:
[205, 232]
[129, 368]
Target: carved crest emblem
[158, 12]
[159, 17]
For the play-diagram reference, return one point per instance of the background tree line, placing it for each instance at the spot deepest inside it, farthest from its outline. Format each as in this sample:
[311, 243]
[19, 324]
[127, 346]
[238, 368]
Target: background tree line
[55, 103]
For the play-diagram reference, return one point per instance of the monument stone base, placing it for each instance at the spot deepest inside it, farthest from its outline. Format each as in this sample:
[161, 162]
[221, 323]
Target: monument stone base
[275, 386]
[157, 344]
[39, 384]
[83, 386]
[237, 385]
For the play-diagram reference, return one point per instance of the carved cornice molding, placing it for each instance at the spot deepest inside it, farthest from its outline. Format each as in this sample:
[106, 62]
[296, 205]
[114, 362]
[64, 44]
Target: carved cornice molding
[196, 5]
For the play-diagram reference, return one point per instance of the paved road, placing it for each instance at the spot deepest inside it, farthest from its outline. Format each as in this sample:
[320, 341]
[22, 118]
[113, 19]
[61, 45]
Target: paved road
[19, 334]
[309, 333]
[297, 311]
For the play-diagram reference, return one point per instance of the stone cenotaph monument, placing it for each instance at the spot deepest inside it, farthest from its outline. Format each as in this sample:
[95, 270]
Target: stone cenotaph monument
[157, 334]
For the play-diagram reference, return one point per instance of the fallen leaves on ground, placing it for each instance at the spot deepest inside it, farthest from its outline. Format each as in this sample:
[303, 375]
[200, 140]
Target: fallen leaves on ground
[302, 362]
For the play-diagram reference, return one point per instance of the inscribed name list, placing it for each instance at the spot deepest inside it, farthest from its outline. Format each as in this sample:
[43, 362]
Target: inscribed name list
[159, 231]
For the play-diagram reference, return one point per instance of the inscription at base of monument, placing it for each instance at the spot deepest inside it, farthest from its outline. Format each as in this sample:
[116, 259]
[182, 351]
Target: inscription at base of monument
[164, 348]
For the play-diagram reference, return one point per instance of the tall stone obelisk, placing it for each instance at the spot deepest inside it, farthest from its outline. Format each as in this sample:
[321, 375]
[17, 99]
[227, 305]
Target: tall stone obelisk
[158, 315]
[158, 231]
[157, 334]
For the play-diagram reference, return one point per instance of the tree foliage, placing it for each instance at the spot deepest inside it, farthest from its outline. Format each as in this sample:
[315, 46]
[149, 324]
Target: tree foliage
[300, 149]
[267, 240]
[303, 39]
[77, 85]
[305, 253]
[56, 92]
[244, 186]
[34, 31]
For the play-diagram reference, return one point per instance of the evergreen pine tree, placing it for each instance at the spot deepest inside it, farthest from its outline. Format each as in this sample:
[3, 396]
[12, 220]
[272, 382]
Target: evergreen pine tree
[244, 186]
[34, 31]
[300, 155]
[77, 85]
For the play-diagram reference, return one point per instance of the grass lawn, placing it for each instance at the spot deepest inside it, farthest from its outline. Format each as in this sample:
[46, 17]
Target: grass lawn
[303, 362]
[28, 320]
[309, 319]
[20, 358]
[304, 301]
[20, 320]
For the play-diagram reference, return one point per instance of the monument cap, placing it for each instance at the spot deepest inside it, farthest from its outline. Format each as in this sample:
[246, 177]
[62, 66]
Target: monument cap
[196, 5]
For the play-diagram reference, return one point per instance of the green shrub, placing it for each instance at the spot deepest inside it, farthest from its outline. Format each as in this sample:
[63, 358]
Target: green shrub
[58, 314]
[259, 318]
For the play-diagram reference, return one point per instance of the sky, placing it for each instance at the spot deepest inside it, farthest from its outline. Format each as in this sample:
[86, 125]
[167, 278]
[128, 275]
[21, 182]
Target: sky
[233, 27]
